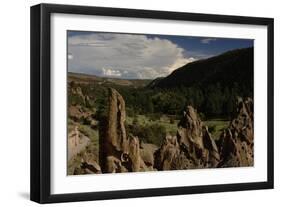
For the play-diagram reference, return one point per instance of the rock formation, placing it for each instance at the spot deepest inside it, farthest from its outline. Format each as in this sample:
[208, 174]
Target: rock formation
[192, 148]
[166, 157]
[118, 152]
[213, 157]
[79, 93]
[147, 151]
[236, 142]
[88, 165]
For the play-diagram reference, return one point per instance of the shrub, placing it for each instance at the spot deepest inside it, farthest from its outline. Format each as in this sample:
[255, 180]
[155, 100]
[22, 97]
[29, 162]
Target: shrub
[212, 128]
[153, 133]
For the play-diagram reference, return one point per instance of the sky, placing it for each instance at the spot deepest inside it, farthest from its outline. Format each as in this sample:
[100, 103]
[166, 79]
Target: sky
[141, 56]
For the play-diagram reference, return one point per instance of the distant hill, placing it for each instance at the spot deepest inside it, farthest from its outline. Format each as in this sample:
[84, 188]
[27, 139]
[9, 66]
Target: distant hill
[85, 78]
[235, 66]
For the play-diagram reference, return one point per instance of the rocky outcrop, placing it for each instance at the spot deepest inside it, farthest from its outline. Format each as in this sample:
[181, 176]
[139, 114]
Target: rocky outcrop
[193, 147]
[236, 142]
[82, 115]
[137, 162]
[213, 156]
[190, 137]
[78, 93]
[166, 157]
[118, 152]
[87, 165]
[76, 142]
[147, 151]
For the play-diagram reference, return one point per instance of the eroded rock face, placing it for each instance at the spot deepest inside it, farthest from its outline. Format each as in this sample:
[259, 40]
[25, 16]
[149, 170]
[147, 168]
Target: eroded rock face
[86, 164]
[116, 133]
[236, 142]
[193, 147]
[114, 143]
[213, 156]
[190, 137]
[196, 141]
[118, 152]
[147, 151]
[165, 156]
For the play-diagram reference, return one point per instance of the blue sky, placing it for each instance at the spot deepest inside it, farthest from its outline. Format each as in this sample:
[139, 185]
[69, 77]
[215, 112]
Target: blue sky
[141, 56]
[203, 47]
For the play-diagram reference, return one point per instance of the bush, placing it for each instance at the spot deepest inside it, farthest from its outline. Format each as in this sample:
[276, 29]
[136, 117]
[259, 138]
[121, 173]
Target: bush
[212, 128]
[172, 120]
[153, 133]
[202, 116]
[154, 117]
[130, 112]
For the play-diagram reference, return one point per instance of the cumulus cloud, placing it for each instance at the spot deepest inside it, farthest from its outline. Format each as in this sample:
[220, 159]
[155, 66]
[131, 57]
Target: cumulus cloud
[124, 55]
[111, 72]
[208, 40]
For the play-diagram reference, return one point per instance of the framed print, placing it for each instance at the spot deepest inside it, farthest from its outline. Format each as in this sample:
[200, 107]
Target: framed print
[132, 103]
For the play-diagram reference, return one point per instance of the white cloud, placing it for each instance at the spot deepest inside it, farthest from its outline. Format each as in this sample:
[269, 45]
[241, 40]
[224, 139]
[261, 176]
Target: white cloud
[208, 40]
[124, 55]
[111, 72]
[181, 62]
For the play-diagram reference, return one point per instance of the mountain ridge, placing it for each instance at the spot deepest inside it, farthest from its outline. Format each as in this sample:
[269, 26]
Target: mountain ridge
[235, 66]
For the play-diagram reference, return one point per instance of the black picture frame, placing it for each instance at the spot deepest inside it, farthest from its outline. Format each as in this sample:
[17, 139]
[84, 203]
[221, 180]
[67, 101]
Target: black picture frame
[41, 96]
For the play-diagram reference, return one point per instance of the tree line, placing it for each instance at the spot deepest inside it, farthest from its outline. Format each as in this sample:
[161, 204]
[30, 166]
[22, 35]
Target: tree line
[212, 100]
